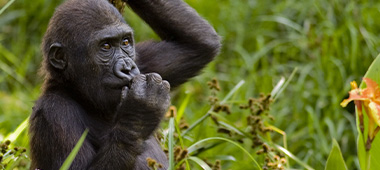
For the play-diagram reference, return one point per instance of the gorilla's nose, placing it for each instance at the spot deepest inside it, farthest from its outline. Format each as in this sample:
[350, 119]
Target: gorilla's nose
[125, 69]
[122, 69]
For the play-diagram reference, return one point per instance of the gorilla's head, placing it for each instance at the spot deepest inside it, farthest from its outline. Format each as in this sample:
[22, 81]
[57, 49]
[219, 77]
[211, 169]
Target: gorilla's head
[91, 51]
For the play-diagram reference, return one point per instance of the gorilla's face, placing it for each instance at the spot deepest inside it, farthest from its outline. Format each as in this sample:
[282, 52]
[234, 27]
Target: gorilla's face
[109, 64]
[113, 51]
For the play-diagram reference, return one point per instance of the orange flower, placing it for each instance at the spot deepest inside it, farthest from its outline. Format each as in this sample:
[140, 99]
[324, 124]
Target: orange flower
[367, 98]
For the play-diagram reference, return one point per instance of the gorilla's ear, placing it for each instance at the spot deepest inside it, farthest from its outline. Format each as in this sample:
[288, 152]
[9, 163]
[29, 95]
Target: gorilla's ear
[56, 56]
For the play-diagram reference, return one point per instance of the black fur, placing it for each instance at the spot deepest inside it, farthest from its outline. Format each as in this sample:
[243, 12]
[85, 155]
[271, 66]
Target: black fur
[92, 81]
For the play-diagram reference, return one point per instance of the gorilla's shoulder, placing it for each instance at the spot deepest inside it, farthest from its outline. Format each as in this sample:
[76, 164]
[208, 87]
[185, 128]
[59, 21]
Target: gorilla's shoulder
[56, 106]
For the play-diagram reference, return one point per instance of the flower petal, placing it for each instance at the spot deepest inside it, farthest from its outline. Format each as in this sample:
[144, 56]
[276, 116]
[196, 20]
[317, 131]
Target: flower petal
[353, 85]
[359, 108]
[374, 110]
[372, 89]
[354, 95]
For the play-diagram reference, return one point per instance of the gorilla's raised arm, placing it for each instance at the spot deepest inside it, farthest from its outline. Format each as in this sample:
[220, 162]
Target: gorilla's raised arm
[188, 41]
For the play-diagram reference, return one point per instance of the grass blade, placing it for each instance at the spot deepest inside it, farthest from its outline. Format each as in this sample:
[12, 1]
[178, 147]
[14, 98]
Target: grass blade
[6, 6]
[181, 109]
[171, 143]
[275, 95]
[197, 145]
[74, 152]
[284, 21]
[290, 155]
[278, 86]
[200, 162]
[14, 135]
[228, 96]
[212, 108]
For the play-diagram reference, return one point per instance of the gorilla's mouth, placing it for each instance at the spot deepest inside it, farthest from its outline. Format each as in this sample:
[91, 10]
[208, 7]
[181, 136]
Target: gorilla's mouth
[113, 82]
[125, 79]
[125, 71]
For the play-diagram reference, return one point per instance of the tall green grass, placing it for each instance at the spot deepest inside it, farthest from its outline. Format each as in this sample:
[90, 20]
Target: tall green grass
[331, 42]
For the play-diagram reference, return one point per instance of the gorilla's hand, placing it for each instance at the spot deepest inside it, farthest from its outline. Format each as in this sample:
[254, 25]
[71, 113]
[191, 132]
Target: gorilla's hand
[143, 105]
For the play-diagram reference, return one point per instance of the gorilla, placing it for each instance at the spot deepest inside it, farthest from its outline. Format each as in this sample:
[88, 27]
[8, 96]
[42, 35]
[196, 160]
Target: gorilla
[97, 77]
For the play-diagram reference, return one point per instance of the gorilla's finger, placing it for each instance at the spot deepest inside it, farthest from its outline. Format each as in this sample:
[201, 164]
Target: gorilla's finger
[154, 77]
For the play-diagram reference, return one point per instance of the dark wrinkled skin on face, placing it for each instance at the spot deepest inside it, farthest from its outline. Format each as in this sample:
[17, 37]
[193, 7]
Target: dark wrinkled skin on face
[98, 78]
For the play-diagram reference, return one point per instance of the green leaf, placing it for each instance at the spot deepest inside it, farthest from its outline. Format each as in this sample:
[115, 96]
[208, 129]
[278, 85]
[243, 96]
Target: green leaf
[361, 151]
[335, 160]
[233, 91]
[373, 73]
[281, 86]
[181, 109]
[202, 142]
[200, 120]
[283, 20]
[171, 144]
[292, 156]
[6, 6]
[229, 125]
[200, 162]
[14, 135]
[74, 152]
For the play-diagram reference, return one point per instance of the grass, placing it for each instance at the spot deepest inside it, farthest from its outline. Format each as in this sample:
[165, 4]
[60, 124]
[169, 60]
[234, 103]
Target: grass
[331, 42]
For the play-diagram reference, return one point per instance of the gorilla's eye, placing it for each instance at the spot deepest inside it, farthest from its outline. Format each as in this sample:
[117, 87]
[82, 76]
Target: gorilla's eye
[106, 46]
[125, 41]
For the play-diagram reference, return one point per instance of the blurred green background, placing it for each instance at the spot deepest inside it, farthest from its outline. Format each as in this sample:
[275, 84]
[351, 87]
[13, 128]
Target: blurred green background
[331, 42]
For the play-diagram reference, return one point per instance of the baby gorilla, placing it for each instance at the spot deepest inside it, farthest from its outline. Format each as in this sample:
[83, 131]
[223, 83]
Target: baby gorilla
[98, 78]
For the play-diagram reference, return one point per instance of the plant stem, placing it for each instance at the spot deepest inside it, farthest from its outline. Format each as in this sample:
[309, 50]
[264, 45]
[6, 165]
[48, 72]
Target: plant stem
[368, 144]
[171, 144]
[200, 120]
[368, 160]
[361, 124]
[197, 122]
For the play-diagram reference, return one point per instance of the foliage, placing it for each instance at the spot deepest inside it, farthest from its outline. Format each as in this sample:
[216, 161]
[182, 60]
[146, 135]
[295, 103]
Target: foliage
[255, 133]
[330, 42]
[335, 160]
[12, 158]
[369, 146]
[74, 152]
